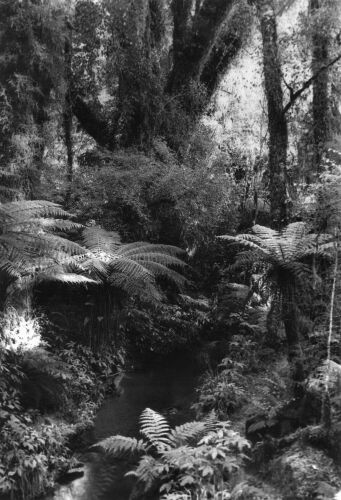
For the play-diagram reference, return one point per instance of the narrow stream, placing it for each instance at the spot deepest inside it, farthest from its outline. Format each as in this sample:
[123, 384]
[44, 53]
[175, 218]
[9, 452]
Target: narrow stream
[167, 387]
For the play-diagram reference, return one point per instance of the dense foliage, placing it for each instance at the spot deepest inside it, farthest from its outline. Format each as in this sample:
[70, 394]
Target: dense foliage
[195, 458]
[137, 139]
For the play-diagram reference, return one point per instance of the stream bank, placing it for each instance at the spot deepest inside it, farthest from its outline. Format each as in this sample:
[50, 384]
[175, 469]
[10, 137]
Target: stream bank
[168, 386]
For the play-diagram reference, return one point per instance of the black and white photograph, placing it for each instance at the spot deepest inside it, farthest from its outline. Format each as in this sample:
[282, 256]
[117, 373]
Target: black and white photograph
[170, 249]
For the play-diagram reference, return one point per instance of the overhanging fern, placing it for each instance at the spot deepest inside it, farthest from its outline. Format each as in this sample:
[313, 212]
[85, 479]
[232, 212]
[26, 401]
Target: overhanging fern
[132, 267]
[283, 253]
[30, 249]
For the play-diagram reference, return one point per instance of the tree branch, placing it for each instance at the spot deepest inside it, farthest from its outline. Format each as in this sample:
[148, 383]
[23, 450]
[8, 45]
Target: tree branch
[308, 83]
[206, 26]
[95, 125]
[286, 5]
[227, 47]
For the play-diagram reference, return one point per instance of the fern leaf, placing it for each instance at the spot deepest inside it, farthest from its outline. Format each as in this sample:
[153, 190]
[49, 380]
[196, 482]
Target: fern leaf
[155, 428]
[296, 230]
[161, 258]
[121, 446]
[190, 432]
[141, 247]
[148, 471]
[161, 270]
[264, 232]
[24, 209]
[99, 240]
[70, 278]
[52, 224]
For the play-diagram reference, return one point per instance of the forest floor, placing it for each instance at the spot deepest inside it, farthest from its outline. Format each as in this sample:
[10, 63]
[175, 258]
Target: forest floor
[296, 471]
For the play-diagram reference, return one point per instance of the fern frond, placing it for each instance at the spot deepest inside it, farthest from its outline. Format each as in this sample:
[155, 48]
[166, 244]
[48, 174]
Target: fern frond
[295, 230]
[161, 270]
[264, 232]
[121, 446]
[246, 240]
[130, 269]
[24, 209]
[141, 247]
[148, 471]
[248, 257]
[155, 428]
[189, 433]
[98, 240]
[93, 266]
[54, 243]
[70, 278]
[161, 258]
[52, 224]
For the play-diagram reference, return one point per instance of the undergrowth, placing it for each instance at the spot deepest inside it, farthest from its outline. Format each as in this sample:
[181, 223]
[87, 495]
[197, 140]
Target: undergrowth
[198, 459]
[47, 397]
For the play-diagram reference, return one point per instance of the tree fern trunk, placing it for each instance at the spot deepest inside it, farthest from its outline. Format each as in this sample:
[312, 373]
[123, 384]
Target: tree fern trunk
[273, 320]
[295, 354]
[105, 319]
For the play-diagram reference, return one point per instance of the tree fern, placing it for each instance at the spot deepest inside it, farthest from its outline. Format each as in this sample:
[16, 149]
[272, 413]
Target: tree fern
[132, 267]
[285, 257]
[282, 253]
[29, 248]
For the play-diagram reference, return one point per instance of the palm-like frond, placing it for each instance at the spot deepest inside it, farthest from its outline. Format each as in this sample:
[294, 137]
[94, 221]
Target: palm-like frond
[21, 211]
[29, 248]
[283, 253]
[100, 241]
[65, 277]
[133, 267]
[141, 247]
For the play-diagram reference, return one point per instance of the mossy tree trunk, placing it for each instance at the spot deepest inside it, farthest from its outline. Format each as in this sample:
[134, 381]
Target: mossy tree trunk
[162, 73]
[320, 109]
[278, 129]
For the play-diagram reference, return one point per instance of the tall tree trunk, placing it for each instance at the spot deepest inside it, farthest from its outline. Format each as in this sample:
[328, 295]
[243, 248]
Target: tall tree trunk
[67, 117]
[193, 49]
[320, 57]
[278, 130]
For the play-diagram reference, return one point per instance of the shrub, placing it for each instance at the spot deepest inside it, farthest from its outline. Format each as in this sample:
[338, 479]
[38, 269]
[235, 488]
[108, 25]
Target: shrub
[222, 392]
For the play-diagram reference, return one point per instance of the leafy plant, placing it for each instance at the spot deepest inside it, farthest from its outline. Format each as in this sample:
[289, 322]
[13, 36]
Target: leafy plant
[191, 458]
[132, 267]
[287, 259]
[223, 391]
[31, 248]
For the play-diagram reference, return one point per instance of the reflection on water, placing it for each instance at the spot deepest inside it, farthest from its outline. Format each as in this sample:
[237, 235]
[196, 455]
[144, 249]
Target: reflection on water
[167, 387]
